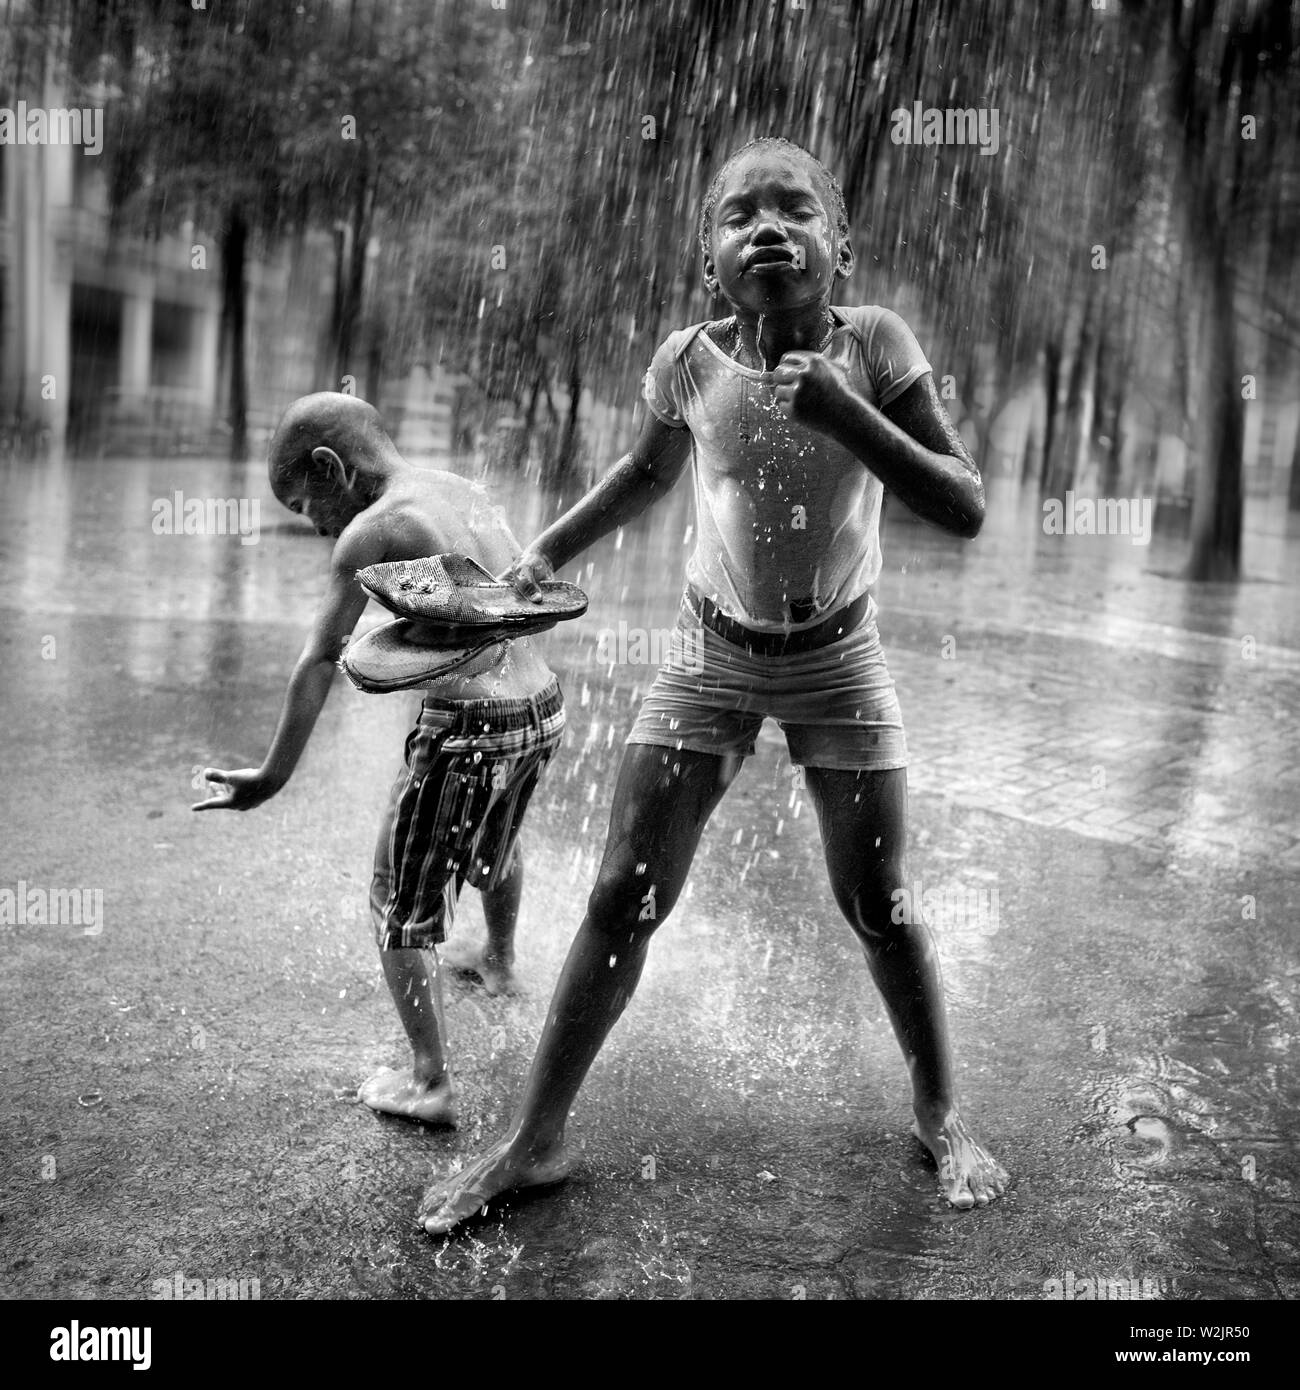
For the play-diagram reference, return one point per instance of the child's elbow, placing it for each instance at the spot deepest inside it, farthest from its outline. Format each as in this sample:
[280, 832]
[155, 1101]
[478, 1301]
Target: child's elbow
[972, 512]
[972, 523]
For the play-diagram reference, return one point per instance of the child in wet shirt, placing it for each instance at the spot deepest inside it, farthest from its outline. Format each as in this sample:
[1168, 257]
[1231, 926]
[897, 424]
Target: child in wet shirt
[796, 416]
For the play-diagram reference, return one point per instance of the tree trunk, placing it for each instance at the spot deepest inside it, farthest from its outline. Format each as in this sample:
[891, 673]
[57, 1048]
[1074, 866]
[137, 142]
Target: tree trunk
[1217, 505]
[234, 251]
[1113, 366]
[566, 454]
[1075, 454]
[1051, 389]
[1293, 492]
[1106, 408]
[998, 396]
[374, 370]
[353, 286]
[329, 363]
[1111, 479]
[530, 416]
[984, 400]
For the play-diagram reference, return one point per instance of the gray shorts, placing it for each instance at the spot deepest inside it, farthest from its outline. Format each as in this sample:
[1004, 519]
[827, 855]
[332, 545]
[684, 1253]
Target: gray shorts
[836, 705]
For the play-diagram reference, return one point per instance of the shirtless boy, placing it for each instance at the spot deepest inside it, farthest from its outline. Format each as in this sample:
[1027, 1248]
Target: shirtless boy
[797, 416]
[485, 732]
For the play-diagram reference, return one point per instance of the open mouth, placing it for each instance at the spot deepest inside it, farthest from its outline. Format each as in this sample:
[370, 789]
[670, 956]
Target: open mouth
[769, 258]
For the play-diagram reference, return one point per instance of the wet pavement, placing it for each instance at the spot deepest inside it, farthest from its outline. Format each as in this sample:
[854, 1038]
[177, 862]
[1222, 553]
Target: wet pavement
[1105, 776]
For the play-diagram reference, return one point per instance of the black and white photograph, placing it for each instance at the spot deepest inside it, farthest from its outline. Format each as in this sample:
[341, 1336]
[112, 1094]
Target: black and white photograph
[650, 652]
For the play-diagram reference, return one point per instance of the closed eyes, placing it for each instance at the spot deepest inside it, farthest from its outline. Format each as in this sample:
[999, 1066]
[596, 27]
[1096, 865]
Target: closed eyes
[742, 214]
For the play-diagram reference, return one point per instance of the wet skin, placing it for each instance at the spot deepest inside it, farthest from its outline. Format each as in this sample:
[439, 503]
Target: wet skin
[656, 821]
[391, 1092]
[425, 1092]
[492, 964]
[414, 977]
[775, 254]
[377, 508]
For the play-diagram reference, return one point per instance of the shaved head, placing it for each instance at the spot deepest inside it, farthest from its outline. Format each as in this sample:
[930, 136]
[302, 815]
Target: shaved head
[346, 424]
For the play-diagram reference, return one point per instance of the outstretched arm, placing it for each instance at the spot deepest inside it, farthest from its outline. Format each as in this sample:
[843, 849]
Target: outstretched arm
[910, 444]
[642, 476]
[308, 685]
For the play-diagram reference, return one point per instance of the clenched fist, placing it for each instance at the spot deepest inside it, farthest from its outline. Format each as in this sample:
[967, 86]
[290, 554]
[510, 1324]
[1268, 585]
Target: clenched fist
[809, 388]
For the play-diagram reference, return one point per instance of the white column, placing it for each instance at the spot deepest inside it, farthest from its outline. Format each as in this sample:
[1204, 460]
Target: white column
[136, 340]
[205, 340]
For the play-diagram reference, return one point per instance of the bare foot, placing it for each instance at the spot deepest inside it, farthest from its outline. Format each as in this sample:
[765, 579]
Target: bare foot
[399, 1093]
[968, 1175]
[462, 1195]
[475, 964]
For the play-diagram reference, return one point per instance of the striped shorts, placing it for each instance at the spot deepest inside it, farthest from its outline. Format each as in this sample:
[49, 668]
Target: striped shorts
[455, 809]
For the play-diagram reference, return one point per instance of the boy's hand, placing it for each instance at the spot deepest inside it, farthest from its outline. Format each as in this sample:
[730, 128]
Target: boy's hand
[246, 788]
[808, 387]
[527, 573]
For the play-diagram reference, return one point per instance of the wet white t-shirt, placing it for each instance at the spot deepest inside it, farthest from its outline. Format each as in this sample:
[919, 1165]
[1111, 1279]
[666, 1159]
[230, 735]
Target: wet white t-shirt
[788, 519]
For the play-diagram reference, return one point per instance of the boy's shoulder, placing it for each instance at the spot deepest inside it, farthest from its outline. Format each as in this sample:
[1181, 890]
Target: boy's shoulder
[432, 512]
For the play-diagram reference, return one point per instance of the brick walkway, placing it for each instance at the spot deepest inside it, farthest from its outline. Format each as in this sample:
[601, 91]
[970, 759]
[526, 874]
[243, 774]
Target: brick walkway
[1114, 725]
[1098, 755]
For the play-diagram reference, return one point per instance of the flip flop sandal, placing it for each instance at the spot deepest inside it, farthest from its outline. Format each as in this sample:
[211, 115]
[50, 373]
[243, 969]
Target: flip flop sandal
[430, 633]
[389, 658]
[455, 591]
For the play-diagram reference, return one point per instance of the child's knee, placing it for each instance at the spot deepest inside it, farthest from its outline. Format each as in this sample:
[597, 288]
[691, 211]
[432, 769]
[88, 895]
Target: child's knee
[877, 904]
[628, 901]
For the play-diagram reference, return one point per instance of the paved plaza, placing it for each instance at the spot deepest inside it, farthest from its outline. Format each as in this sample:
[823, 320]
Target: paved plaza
[1104, 784]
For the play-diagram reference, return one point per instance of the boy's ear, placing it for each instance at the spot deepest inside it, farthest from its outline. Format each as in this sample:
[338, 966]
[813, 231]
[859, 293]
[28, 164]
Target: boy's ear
[342, 474]
[847, 260]
[709, 274]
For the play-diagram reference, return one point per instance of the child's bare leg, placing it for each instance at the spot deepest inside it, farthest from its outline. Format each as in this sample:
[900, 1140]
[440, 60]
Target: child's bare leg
[864, 831]
[425, 1092]
[500, 913]
[657, 816]
[494, 964]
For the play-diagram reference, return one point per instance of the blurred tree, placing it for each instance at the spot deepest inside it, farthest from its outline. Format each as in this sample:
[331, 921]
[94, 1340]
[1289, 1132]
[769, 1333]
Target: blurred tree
[198, 135]
[1226, 70]
[631, 109]
[524, 181]
[544, 258]
[389, 113]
